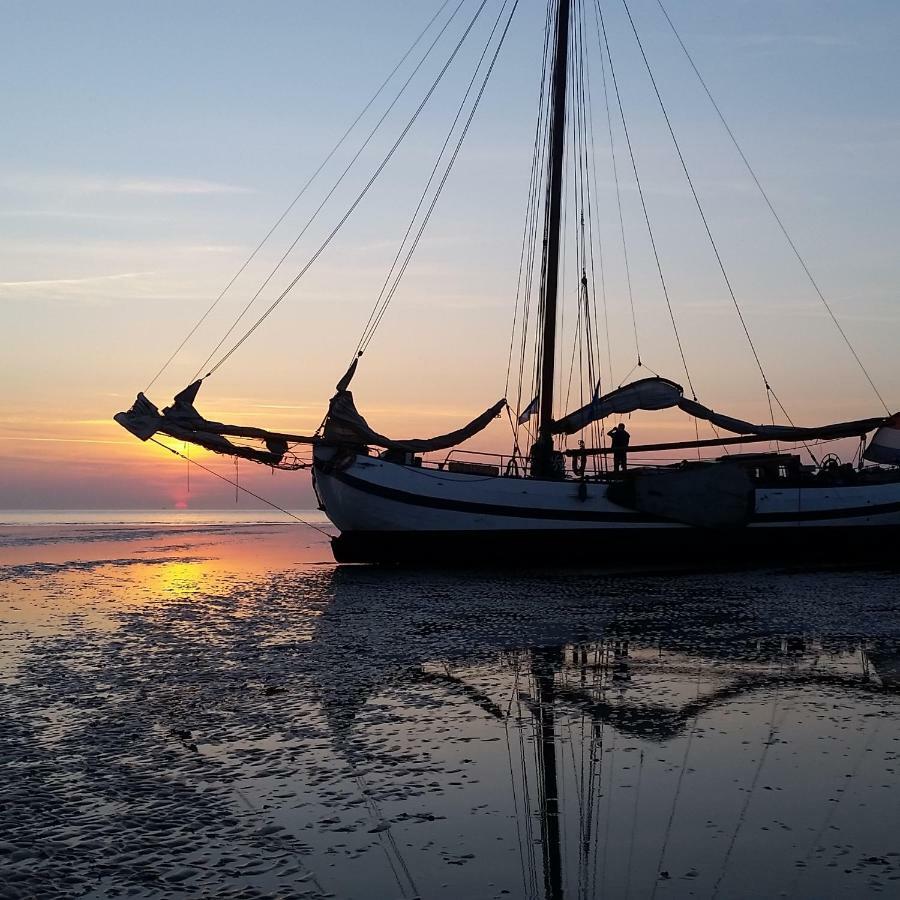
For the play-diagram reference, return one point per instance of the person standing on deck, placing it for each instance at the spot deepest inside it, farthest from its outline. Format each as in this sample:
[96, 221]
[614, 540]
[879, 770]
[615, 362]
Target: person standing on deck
[620, 438]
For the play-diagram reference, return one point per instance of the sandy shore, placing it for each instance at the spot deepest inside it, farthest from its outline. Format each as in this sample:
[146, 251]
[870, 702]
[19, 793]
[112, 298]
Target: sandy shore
[218, 710]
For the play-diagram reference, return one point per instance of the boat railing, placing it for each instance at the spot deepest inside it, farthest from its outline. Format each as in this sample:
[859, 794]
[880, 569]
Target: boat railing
[516, 466]
[508, 465]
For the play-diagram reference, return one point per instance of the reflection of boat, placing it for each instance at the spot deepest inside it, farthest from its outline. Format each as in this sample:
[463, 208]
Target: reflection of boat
[638, 679]
[612, 644]
[391, 626]
[398, 506]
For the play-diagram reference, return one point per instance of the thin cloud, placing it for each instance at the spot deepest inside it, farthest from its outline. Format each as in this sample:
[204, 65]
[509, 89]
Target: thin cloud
[56, 440]
[74, 215]
[89, 184]
[56, 282]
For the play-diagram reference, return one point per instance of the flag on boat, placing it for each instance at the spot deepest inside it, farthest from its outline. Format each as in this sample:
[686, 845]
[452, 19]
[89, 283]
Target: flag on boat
[529, 411]
[884, 447]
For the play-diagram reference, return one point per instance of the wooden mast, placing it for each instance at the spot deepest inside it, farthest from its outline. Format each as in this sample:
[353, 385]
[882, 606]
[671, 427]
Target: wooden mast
[542, 457]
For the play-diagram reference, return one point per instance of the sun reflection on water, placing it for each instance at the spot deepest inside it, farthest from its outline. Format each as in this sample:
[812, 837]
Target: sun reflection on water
[178, 579]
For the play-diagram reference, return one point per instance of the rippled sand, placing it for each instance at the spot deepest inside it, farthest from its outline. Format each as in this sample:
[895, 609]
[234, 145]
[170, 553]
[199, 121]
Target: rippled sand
[220, 711]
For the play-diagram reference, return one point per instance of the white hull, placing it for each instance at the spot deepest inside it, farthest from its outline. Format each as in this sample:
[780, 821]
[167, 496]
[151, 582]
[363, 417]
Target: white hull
[372, 495]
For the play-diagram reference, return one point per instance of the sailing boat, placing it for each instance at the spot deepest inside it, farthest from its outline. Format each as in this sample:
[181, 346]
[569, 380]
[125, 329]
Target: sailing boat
[392, 503]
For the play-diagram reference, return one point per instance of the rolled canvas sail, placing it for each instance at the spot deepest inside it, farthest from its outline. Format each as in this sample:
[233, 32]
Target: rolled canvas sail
[345, 424]
[182, 421]
[647, 393]
[660, 393]
[780, 432]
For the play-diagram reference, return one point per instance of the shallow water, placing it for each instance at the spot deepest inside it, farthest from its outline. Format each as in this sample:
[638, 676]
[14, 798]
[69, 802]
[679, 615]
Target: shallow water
[214, 709]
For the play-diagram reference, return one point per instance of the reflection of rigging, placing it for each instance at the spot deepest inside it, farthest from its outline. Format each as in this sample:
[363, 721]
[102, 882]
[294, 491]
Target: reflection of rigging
[594, 680]
[576, 714]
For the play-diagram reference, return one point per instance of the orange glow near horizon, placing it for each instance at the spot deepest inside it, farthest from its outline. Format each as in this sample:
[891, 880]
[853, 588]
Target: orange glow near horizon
[123, 229]
[94, 463]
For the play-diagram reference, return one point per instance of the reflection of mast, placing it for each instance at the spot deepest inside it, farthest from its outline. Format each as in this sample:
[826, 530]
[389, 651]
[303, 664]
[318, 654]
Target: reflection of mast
[543, 668]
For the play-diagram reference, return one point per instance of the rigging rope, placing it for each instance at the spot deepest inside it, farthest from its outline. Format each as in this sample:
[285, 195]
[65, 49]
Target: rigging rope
[512, 777]
[832, 808]
[303, 190]
[690, 182]
[662, 279]
[582, 193]
[384, 299]
[634, 818]
[593, 200]
[526, 252]
[742, 816]
[424, 194]
[525, 281]
[615, 168]
[772, 209]
[352, 208]
[237, 486]
[668, 832]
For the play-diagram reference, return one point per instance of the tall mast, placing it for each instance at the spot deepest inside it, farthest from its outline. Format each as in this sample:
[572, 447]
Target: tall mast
[553, 218]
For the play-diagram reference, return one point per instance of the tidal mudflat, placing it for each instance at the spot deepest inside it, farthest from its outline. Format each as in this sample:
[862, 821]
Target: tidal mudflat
[215, 709]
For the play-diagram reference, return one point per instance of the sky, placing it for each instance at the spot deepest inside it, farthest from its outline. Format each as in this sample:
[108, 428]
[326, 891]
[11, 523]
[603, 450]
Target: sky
[148, 148]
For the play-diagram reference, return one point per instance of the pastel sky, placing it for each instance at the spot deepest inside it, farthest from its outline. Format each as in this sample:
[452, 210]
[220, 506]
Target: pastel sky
[147, 148]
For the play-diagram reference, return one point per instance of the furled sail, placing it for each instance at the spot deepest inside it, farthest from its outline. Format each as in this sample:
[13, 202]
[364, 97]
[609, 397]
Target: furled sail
[647, 393]
[182, 421]
[660, 393]
[345, 425]
[780, 432]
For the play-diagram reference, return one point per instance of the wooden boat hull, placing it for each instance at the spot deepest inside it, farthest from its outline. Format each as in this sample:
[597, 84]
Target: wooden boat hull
[391, 513]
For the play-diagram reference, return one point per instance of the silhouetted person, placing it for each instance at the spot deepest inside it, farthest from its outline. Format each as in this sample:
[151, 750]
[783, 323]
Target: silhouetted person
[620, 438]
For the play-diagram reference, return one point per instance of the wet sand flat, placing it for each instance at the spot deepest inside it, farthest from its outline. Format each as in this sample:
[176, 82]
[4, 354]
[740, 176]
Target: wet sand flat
[216, 709]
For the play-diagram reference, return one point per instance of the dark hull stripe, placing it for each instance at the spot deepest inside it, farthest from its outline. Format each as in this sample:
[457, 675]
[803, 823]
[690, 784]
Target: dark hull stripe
[576, 515]
[692, 548]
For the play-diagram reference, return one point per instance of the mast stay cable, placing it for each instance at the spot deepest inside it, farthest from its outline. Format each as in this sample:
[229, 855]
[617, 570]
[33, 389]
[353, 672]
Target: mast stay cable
[593, 200]
[237, 486]
[772, 209]
[302, 191]
[700, 209]
[615, 169]
[662, 279]
[526, 248]
[322, 247]
[446, 175]
[386, 295]
[770, 393]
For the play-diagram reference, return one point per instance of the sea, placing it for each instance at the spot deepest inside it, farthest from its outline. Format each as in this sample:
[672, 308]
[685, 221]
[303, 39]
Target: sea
[203, 704]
